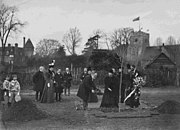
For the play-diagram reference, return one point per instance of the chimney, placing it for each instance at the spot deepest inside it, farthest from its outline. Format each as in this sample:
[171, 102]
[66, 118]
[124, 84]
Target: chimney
[24, 41]
[16, 44]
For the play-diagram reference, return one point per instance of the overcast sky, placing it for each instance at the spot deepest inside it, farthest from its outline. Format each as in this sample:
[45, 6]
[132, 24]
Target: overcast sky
[52, 18]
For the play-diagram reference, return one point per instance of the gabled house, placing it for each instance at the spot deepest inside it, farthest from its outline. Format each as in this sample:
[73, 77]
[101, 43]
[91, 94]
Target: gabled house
[163, 61]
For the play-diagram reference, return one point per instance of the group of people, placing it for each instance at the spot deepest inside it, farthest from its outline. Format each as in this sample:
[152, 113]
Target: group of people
[10, 90]
[47, 83]
[129, 93]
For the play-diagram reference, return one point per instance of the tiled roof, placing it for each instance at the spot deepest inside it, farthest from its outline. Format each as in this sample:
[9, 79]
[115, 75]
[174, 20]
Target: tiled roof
[171, 51]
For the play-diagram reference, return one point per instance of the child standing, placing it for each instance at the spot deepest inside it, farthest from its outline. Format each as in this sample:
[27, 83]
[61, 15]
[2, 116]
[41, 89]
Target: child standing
[6, 87]
[14, 89]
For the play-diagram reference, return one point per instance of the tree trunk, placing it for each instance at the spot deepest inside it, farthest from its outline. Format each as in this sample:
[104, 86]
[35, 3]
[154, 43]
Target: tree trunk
[177, 78]
[120, 85]
[3, 55]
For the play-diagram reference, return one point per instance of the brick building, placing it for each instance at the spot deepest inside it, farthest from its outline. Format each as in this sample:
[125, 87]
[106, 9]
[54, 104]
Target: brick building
[18, 54]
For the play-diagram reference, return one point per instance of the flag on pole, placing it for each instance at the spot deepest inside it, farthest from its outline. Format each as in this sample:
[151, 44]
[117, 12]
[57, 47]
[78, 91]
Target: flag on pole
[136, 19]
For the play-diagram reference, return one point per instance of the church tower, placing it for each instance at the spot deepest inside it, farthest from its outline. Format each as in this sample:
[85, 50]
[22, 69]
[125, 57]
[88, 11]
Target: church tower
[138, 43]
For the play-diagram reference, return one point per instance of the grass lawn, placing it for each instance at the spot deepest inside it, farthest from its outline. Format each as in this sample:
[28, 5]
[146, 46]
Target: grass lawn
[63, 116]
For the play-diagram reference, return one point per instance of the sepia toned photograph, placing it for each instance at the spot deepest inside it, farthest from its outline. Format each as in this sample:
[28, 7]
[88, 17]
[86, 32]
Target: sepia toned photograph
[89, 64]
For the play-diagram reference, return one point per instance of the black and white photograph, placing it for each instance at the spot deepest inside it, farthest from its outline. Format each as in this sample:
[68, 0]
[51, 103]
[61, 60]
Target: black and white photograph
[89, 64]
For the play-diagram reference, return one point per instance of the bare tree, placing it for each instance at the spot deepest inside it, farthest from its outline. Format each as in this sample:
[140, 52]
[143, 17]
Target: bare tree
[9, 24]
[116, 38]
[47, 47]
[121, 36]
[71, 40]
[158, 41]
[170, 40]
[120, 39]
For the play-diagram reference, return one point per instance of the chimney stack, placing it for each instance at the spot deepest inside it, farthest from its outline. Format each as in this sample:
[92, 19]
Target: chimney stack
[16, 44]
[24, 41]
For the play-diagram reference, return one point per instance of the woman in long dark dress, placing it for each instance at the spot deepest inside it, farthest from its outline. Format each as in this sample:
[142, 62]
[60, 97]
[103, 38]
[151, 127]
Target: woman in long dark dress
[111, 91]
[59, 84]
[48, 92]
[133, 100]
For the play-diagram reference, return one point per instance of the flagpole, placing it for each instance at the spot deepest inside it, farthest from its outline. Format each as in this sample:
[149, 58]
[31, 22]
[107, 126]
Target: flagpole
[139, 25]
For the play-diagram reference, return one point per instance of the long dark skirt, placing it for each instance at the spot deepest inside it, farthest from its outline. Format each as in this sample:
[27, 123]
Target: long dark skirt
[93, 97]
[48, 93]
[109, 100]
[81, 92]
[132, 101]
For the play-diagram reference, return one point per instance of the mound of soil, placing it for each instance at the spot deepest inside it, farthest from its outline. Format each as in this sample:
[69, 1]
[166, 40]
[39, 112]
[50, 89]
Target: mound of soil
[25, 110]
[169, 107]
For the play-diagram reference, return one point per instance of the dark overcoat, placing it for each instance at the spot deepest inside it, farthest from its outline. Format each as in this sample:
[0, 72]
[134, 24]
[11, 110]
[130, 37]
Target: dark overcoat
[110, 98]
[39, 81]
[85, 88]
[59, 83]
[67, 79]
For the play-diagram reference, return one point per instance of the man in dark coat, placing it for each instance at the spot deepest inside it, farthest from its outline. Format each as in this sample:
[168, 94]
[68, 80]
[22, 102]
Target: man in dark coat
[87, 87]
[39, 82]
[59, 84]
[67, 81]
